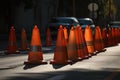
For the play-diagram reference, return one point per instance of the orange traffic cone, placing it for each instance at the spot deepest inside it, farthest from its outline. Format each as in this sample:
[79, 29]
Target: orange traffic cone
[113, 37]
[89, 40]
[98, 42]
[104, 36]
[35, 55]
[60, 53]
[12, 45]
[80, 49]
[83, 43]
[48, 38]
[66, 34]
[72, 46]
[109, 37]
[118, 35]
[24, 44]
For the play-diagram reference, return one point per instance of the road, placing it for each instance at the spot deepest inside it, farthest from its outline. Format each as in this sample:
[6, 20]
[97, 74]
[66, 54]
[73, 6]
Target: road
[103, 66]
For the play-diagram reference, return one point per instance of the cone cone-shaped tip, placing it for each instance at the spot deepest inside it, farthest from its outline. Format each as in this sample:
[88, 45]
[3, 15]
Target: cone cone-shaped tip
[35, 40]
[72, 28]
[35, 27]
[60, 27]
[23, 30]
[77, 27]
[97, 27]
[64, 27]
[87, 26]
[104, 28]
[12, 27]
[80, 28]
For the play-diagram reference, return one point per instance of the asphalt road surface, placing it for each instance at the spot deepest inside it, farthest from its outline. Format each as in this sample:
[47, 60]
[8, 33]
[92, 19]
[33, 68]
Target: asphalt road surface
[103, 66]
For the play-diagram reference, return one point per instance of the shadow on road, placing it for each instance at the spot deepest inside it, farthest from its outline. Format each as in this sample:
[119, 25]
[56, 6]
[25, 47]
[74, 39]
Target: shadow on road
[72, 74]
[28, 66]
[57, 66]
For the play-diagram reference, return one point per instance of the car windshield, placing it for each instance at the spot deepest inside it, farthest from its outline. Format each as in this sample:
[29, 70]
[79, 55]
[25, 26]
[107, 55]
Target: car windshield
[85, 22]
[62, 21]
[115, 24]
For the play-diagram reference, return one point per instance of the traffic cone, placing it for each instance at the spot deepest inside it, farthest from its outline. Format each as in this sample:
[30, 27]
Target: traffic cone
[118, 35]
[109, 37]
[83, 43]
[66, 34]
[12, 45]
[98, 42]
[35, 55]
[72, 46]
[113, 37]
[48, 38]
[89, 40]
[24, 44]
[104, 36]
[60, 53]
[80, 45]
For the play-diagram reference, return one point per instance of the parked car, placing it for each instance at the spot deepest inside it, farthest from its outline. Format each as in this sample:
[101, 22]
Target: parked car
[67, 22]
[86, 21]
[114, 24]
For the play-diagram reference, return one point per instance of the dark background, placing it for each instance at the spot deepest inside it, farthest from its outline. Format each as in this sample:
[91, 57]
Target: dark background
[27, 13]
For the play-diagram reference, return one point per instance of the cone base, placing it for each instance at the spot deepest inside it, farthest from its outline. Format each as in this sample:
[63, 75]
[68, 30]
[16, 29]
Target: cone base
[17, 52]
[86, 57]
[90, 55]
[103, 50]
[93, 54]
[109, 45]
[54, 62]
[74, 61]
[80, 59]
[34, 63]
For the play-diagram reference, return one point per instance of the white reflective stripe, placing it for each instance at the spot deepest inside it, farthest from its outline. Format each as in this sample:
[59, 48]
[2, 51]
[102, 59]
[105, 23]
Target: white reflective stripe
[35, 48]
[89, 43]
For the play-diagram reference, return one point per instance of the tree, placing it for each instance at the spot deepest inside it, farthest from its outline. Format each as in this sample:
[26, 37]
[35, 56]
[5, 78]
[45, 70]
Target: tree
[107, 8]
[107, 11]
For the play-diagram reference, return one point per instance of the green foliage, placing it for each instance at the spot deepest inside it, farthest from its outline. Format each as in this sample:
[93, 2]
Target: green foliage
[107, 7]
